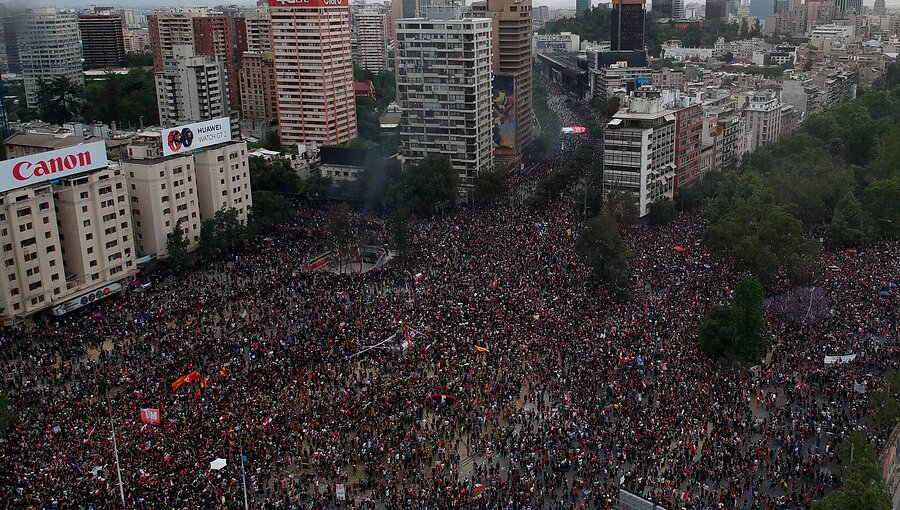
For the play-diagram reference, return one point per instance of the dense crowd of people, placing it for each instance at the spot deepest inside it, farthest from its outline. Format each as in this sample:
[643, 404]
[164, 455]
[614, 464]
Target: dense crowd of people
[503, 377]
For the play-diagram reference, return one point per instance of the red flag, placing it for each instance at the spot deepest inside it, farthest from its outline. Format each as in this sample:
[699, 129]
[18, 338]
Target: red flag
[189, 378]
[150, 415]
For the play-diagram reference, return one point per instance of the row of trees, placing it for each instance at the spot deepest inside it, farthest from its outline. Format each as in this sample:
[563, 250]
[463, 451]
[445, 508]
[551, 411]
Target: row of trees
[811, 180]
[738, 328]
[126, 99]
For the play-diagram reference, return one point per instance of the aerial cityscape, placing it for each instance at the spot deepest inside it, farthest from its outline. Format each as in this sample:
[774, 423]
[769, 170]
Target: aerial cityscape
[450, 254]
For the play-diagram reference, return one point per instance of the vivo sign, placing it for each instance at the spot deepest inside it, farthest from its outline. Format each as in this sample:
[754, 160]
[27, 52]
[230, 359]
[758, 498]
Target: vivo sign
[58, 164]
[308, 3]
[195, 136]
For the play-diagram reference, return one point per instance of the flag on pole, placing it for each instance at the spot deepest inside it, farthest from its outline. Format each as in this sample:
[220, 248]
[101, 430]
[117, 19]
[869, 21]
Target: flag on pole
[90, 432]
[150, 415]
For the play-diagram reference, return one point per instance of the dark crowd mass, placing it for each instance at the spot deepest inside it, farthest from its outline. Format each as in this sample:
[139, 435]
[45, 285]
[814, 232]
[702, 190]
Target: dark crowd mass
[502, 377]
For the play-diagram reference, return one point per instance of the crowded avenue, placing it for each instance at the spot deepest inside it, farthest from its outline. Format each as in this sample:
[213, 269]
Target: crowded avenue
[509, 379]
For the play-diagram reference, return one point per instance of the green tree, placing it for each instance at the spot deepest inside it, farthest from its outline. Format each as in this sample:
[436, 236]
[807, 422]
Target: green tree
[748, 320]
[277, 176]
[862, 488]
[883, 202]
[269, 209]
[851, 225]
[588, 201]
[601, 249]
[58, 100]
[398, 231]
[715, 331]
[177, 248]
[422, 187]
[621, 205]
[662, 212]
[488, 186]
[210, 245]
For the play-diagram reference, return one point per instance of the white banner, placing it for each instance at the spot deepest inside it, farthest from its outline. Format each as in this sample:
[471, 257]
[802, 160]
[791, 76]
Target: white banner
[181, 139]
[51, 165]
[835, 360]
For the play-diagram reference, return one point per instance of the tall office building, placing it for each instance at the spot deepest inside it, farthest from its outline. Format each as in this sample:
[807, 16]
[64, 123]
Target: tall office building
[405, 9]
[716, 10]
[191, 88]
[677, 9]
[368, 38]
[445, 98]
[313, 70]
[511, 33]
[582, 6]
[102, 38]
[627, 25]
[639, 150]
[879, 9]
[664, 7]
[211, 36]
[49, 46]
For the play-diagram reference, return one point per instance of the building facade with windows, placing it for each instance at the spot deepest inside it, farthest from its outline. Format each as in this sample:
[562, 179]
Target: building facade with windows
[639, 150]
[313, 71]
[444, 92]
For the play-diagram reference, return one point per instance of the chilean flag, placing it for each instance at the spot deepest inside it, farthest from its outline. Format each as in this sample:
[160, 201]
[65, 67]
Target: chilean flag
[150, 415]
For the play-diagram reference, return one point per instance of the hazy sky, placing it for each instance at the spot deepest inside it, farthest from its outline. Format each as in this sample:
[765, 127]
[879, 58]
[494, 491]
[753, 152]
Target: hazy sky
[137, 4]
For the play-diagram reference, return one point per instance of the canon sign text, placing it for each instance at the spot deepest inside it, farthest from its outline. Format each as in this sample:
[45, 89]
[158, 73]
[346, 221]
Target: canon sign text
[58, 164]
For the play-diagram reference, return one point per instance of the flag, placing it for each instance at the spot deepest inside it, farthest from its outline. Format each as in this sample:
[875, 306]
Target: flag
[419, 277]
[189, 378]
[90, 432]
[266, 421]
[244, 313]
[150, 415]
[481, 349]
[342, 294]
[478, 488]
[223, 372]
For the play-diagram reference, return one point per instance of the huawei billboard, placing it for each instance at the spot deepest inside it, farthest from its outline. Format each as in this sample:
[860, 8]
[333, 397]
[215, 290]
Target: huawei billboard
[186, 138]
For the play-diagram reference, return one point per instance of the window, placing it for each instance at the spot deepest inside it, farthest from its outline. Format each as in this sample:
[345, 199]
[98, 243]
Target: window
[88, 236]
[34, 286]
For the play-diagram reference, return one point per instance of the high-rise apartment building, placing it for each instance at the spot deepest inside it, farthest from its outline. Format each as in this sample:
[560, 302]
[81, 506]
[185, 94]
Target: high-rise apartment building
[763, 119]
[49, 46]
[259, 104]
[191, 88]
[211, 36]
[183, 189]
[848, 6]
[63, 239]
[444, 92]
[214, 38]
[258, 93]
[511, 34]
[880, 8]
[639, 150]
[170, 28]
[368, 38]
[223, 179]
[313, 70]
[254, 31]
[627, 25]
[102, 38]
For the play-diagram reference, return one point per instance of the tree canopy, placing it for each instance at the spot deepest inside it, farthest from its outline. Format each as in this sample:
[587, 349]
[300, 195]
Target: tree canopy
[602, 250]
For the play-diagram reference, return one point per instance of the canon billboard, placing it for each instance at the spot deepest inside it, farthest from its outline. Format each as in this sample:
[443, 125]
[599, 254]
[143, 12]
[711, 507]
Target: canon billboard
[309, 3]
[46, 166]
[186, 138]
